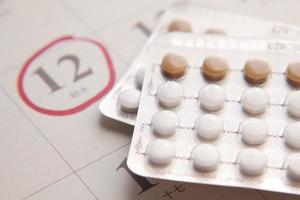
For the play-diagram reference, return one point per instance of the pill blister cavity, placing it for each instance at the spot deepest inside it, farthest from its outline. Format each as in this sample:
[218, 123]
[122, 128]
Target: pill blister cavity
[252, 162]
[169, 94]
[209, 127]
[174, 65]
[293, 105]
[257, 71]
[180, 25]
[160, 152]
[212, 97]
[293, 74]
[255, 101]
[164, 123]
[215, 68]
[292, 135]
[254, 131]
[205, 157]
[293, 169]
[129, 100]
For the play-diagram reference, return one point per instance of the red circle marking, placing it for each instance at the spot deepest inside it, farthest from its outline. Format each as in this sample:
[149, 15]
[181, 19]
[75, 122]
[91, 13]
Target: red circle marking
[85, 104]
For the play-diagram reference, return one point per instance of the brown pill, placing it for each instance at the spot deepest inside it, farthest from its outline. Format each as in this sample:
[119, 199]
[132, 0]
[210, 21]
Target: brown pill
[215, 31]
[293, 74]
[180, 25]
[215, 68]
[174, 65]
[256, 71]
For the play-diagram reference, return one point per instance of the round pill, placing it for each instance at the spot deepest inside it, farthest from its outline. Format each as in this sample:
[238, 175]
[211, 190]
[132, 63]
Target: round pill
[255, 101]
[160, 151]
[292, 135]
[174, 65]
[256, 71]
[129, 100]
[180, 25]
[205, 157]
[215, 31]
[212, 97]
[293, 169]
[293, 105]
[169, 94]
[164, 123]
[293, 74]
[252, 162]
[215, 68]
[209, 127]
[139, 78]
[254, 131]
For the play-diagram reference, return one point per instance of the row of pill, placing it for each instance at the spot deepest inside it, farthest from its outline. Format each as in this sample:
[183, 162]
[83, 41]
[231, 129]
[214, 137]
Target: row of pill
[206, 158]
[215, 68]
[212, 97]
[209, 127]
[181, 25]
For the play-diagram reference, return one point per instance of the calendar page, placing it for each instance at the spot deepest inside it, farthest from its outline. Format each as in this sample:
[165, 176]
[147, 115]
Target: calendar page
[58, 59]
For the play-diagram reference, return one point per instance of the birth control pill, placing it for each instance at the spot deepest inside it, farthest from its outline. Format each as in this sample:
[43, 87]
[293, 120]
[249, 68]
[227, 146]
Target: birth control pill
[129, 100]
[212, 97]
[292, 135]
[205, 157]
[215, 68]
[293, 74]
[293, 105]
[293, 169]
[255, 101]
[174, 65]
[209, 127]
[164, 123]
[256, 71]
[252, 162]
[169, 94]
[215, 31]
[180, 25]
[139, 78]
[160, 151]
[254, 131]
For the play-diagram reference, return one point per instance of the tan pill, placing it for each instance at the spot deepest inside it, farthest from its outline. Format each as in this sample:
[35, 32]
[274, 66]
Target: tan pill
[293, 74]
[180, 25]
[174, 65]
[215, 68]
[215, 31]
[256, 71]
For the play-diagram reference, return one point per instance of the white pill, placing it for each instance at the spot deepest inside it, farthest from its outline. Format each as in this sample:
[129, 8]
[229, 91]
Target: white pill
[255, 101]
[292, 135]
[164, 123]
[254, 131]
[139, 78]
[293, 169]
[205, 157]
[169, 94]
[129, 100]
[160, 152]
[293, 105]
[209, 126]
[212, 97]
[252, 162]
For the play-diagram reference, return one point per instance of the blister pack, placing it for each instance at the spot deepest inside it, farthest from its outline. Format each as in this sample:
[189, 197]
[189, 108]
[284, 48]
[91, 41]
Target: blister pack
[220, 111]
[188, 17]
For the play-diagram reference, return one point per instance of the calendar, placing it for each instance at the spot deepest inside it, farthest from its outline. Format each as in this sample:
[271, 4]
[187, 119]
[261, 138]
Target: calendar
[58, 59]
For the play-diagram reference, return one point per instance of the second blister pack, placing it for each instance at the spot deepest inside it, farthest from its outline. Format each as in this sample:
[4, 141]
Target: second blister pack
[191, 18]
